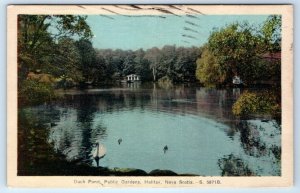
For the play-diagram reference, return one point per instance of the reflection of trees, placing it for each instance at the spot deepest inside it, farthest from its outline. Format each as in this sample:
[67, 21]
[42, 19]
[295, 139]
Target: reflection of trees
[75, 139]
[259, 140]
[75, 135]
[79, 124]
[215, 103]
[85, 116]
[98, 133]
[231, 165]
[181, 99]
[250, 139]
[34, 151]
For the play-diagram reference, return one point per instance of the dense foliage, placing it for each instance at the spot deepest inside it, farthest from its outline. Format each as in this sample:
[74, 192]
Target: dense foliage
[44, 42]
[176, 64]
[255, 104]
[60, 46]
[240, 50]
[46, 46]
[209, 71]
[34, 92]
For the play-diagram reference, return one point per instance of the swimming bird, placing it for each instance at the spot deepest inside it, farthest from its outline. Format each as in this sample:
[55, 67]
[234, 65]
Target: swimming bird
[99, 153]
[165, 148]
[120, 140]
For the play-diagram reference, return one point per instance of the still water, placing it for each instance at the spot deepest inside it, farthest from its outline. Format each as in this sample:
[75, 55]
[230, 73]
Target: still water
[195, 123]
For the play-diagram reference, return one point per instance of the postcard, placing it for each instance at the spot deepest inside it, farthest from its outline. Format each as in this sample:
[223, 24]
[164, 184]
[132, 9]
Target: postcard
[149, 96]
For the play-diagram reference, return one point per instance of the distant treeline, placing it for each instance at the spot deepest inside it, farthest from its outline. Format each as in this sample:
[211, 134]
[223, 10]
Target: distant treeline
[60, 47]
[56, 51]
[177, 64]
[71, 60]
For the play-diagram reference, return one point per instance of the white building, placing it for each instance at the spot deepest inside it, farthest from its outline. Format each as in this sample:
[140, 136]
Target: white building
[237, 80]
[133, 77]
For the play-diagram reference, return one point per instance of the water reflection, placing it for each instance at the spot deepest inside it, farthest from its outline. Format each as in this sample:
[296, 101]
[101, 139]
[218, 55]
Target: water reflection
[180, 99]
[250, 140]
[196, 124]
[233, 166]
[76, 133]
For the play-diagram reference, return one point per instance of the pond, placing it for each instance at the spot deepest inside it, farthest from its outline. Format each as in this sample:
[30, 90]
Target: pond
[196, 124]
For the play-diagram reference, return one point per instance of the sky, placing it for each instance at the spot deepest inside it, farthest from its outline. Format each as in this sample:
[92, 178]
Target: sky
[132, 33]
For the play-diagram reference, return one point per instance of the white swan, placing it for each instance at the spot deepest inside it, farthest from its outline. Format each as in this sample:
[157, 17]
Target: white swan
[99, 153]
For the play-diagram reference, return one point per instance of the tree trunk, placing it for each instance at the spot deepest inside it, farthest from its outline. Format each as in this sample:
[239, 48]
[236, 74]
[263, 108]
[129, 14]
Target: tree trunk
[154, 73]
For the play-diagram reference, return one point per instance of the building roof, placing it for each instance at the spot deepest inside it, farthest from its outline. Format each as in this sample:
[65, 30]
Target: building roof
[276, 55]
[132, 75]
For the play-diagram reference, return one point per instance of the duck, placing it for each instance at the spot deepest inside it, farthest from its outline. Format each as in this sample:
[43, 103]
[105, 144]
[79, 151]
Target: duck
[166, 149]
[120, 141]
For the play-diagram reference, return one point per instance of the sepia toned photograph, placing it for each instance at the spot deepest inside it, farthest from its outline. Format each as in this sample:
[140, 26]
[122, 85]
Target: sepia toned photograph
[168, 95]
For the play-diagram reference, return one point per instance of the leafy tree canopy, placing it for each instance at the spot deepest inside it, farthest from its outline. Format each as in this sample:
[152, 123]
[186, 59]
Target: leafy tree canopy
[38, 34]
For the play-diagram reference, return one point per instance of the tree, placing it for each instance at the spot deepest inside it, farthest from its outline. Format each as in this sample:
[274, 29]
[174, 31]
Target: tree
[142, 65]
[129, 64]
[151, 64]
[271, 34]
[100, 66]
[185, 64]
[37, 35]
[208, 69]
[31, 51]
[88, 58]
[110, 66]
[238, 49]
[118, 60]
[167, 60]
[65, 62]
[153, 55]
[235, 49]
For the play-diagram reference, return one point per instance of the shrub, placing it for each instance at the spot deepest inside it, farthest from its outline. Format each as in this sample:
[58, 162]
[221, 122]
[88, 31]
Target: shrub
[165, 82]
[32, 92]
[45, 78]
[251, 103]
